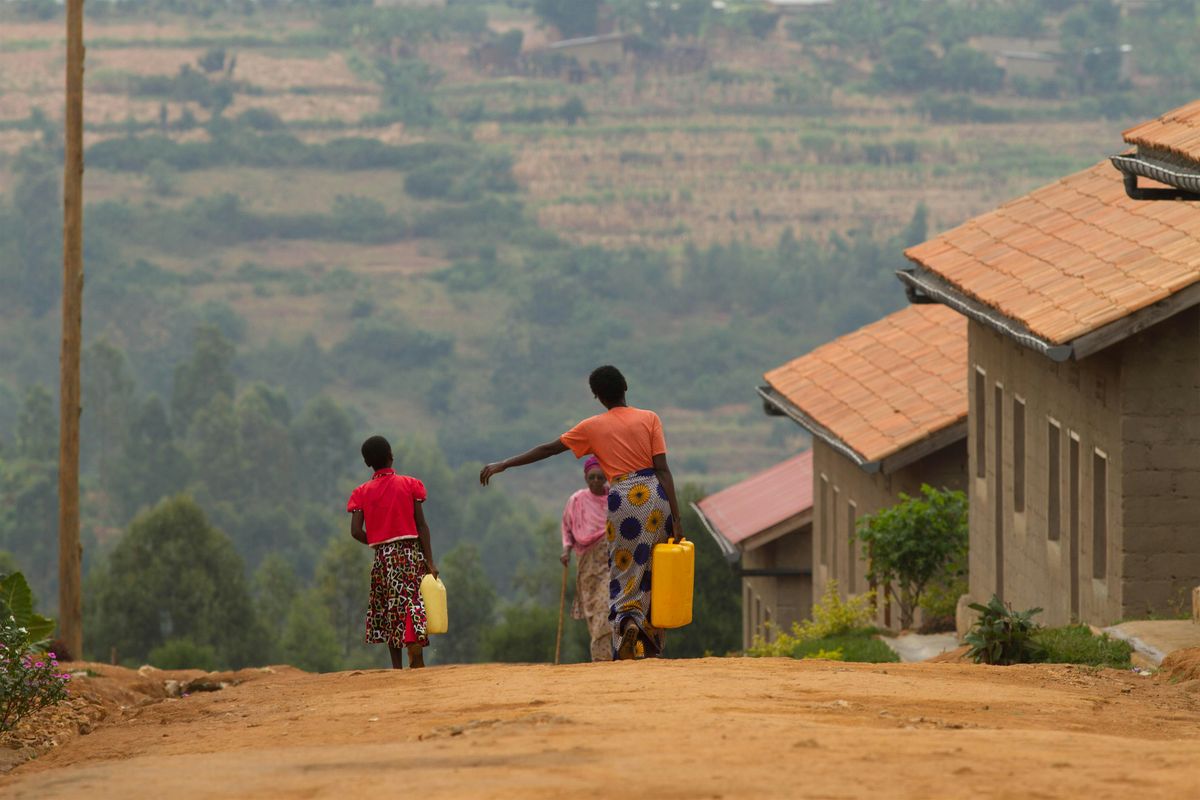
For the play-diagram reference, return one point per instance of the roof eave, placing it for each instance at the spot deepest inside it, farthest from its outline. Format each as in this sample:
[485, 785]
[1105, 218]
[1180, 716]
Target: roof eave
[728, 550]
[789, 409]
[923, 286]
[1185, 183]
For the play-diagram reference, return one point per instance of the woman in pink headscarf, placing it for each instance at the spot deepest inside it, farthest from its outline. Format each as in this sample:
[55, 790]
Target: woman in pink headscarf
[583, 531]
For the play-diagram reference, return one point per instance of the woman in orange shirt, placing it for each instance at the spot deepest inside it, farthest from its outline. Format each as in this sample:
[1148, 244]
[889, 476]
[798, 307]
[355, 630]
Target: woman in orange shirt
[642, 509]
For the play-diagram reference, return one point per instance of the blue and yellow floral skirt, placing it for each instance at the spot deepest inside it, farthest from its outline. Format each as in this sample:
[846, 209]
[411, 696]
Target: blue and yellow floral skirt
[639, 517]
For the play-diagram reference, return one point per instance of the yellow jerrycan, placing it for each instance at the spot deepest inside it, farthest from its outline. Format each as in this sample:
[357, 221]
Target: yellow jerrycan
[673, 575]
[433, 595]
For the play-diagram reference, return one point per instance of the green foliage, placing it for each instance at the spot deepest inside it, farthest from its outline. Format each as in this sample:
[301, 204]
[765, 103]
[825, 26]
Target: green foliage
[472, 605]
[862, 646]
[1003, 636]
[914, 543]
[832, 617]
[572, 18]
[203, 377]
[16, 605]
[309, 640]
[1076, 644]
[407, 90]
[29, 680]
[343, 581]
[717, 595]
[524, 634]
[183, 654]
[173, 576]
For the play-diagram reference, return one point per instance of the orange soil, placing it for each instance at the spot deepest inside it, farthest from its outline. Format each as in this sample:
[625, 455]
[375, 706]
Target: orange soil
[708, 728]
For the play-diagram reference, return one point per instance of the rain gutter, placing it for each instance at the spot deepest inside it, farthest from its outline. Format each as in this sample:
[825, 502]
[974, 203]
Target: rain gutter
[728, 550]
[1186, 183]
[922, 286]
[775, 400]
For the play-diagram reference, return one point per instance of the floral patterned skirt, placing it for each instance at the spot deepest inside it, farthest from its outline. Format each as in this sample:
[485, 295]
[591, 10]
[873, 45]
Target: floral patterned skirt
[639, 517]
[396, 615]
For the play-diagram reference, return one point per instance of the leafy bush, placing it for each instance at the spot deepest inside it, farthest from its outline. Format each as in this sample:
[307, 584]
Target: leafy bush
[1003, 636]
[1076, 644]
[914, 543]
[860, 646]
[29, 680]
[831, 617]
[183, 654]
[29, 676]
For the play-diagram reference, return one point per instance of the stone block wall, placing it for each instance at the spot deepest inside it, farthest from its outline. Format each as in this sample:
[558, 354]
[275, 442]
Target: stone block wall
[841, 489]
[1160, 431]
[1080, 402]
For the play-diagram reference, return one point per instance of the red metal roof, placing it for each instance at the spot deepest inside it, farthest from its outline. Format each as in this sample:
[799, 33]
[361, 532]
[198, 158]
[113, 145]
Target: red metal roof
[762, 500]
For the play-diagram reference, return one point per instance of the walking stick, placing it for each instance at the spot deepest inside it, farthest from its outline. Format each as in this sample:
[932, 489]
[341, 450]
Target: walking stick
[562, 604]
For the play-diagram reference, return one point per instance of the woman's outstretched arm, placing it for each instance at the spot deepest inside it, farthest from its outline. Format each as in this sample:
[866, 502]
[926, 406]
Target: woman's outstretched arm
[668, 483]
[539, 453]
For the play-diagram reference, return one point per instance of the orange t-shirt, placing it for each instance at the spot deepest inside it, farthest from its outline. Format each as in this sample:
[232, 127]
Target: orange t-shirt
[624, 439]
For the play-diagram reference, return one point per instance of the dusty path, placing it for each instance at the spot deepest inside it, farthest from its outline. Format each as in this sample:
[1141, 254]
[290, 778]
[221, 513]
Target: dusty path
[716, 728]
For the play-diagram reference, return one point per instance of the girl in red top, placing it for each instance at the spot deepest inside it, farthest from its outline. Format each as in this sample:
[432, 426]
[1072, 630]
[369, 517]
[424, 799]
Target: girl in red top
[386, 514]
[642, 509]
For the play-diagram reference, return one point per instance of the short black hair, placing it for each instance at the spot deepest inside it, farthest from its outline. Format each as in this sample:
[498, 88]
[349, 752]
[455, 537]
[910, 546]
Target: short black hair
[377, 452]
[608, 384]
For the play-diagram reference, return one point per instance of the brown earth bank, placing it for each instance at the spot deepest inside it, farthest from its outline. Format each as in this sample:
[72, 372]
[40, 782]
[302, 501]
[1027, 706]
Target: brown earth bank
[711, 728]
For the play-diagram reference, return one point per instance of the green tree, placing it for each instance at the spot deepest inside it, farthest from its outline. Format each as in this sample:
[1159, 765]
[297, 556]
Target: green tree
[37, 427]
[472, 603]
[913, 543]
[108, 403]
[205, 375]
[965, 69]
[173, 576]
[215, 448]
[717, 602]
[151, 465]
[525, 634]
[32, 272]
[275, 590]
[572, 18]
[321, 438]
[907, 63]
[309, 639]
[344, 583]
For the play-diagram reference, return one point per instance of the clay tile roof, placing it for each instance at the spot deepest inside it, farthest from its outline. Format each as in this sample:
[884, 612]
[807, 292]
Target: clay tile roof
[887, 385]
[762, 500]
[1071, 257]
[1176, 132]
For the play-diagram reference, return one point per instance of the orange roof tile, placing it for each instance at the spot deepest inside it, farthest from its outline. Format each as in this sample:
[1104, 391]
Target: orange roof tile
[887, 385]
[1073, 256]
[1176, 132]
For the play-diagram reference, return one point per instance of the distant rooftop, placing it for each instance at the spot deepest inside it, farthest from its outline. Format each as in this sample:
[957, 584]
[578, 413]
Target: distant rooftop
[754, 506]
[873, 393]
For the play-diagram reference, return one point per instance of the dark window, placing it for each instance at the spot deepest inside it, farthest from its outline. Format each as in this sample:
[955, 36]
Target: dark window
[1099, 515]
[998, 486]
[833, 534]
[851, 557]
[1018, 423]
[824, 537]
[980, 424]
[1073, 520]
[1054, 481]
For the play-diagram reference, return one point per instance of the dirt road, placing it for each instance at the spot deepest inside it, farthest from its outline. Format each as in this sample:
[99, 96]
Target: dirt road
[716, 728]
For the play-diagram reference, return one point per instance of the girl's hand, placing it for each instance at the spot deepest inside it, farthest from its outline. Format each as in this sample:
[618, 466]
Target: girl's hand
[488, 471]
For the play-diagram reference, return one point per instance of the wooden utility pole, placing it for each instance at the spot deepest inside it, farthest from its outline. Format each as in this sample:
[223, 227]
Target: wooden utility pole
[70, 599]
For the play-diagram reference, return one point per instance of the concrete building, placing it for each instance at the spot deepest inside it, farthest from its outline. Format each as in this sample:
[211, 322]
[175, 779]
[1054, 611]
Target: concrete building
[1084, 372]
[765, 522]
[887, 408]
